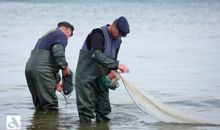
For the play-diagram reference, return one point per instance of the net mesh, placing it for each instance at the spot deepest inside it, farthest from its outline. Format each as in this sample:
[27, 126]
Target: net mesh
[159, 110]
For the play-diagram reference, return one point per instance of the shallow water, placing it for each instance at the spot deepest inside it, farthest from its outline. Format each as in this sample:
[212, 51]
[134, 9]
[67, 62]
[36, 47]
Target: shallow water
[172, 52]
[124, 116]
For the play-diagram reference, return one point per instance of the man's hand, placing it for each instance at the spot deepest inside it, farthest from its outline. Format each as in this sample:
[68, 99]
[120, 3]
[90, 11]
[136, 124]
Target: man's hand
[112, 75]
[123, 68]
[59, 87]
[66, 71]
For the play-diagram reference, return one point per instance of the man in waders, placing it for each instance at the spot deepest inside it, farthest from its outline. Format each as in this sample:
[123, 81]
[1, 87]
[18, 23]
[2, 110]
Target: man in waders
[42, 68]
[98, 60]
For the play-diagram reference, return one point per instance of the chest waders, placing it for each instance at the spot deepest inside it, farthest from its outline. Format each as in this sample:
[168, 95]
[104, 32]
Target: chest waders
[41, 75]
[91, 99]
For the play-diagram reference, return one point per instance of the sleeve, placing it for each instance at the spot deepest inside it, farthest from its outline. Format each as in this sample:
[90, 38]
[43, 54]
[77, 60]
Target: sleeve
[59, 55]
[61, 39]
[105, 61]
[96, 40]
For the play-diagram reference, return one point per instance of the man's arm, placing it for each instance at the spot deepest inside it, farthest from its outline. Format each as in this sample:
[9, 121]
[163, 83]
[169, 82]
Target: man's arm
[59, 54]
[96, 46]
[104, 60]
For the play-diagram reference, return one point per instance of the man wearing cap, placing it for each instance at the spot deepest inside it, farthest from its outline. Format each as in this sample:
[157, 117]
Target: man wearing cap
[98, 58]
[42, 68]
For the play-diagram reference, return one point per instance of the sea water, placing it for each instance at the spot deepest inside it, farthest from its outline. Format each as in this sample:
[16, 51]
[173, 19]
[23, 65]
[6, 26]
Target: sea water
[173, 53]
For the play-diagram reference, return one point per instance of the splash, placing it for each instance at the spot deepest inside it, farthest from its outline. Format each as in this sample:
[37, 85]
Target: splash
[159, 110]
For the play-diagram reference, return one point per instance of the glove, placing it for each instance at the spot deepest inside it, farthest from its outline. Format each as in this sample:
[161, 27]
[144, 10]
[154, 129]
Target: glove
[112, 74]
[66, 71]
[59, 87]
[123, 68]
[67, 83]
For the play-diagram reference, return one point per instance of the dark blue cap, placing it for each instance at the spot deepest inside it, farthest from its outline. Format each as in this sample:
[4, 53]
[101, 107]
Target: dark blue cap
[123, 26]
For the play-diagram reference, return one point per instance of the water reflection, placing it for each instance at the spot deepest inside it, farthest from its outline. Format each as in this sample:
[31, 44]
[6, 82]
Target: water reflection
[95, 126]
[57, 120]
[48, 120]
